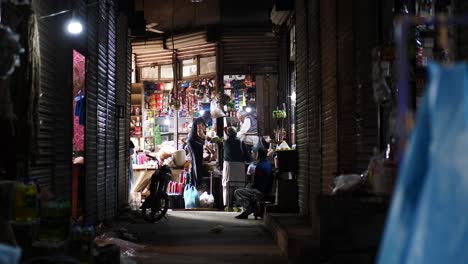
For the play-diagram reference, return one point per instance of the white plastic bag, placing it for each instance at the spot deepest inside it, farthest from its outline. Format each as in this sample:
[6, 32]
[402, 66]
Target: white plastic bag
[347, 182]
[215, 111]
[206, 200]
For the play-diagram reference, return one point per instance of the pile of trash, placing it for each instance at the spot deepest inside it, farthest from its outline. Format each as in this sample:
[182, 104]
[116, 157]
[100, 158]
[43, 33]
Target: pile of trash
[117, 247]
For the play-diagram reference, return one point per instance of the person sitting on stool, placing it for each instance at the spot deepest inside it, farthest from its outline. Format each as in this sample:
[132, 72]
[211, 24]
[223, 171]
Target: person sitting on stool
[262, 185]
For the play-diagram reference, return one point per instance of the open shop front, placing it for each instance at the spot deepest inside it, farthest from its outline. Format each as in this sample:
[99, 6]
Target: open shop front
[173, 87]
[172, 90]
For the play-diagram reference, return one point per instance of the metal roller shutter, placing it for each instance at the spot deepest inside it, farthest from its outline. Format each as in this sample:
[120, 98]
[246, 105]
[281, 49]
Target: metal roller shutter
[329, 93]
[64, 121]
[128, 93]
[186, 40]
[102, 110]
[121, 78]
[111, 128]
[159, 51]
[53, 167]
[365, 37]
[314, 110]
[91, 114]
[250, 51]
[204, 50]
[43, 169]
[302, 104]
[346, 88]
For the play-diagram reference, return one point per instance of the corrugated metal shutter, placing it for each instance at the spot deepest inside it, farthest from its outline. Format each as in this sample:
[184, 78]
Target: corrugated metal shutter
[64, 122]
[346, 92]
[302, 104]
[111, 128]
[151, 52]
[53, 167]
[128, 103]
[102, 80]
[186, 40]
[249, 51]
[121, 98]
[159, 51]
[91, 142]
[329, 93]
[314, 109]
[204, 50]
[101, 130]
[43, 169]
[365, 37]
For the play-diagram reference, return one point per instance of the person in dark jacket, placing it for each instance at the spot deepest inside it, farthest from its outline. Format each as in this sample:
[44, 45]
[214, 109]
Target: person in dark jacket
[263, 182]
[196, 141]
[235, 156]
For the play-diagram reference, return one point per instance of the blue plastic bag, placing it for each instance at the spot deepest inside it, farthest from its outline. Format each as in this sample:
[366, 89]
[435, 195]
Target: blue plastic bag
[428, 218]
[191, 198]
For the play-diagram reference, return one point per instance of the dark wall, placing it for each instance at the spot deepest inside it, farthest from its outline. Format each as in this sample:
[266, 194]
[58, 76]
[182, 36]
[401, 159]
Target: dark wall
[369, 31]
[308, 107]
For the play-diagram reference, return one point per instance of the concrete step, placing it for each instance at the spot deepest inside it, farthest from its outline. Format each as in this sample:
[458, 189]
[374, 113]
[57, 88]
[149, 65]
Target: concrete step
[294, 236]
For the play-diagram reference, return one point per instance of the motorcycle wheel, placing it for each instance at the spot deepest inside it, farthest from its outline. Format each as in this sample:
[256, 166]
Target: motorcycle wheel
[156, 208]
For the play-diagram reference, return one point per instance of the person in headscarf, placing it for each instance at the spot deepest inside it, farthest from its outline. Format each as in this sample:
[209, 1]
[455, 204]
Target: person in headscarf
[235, 156]
[248, 132]
[196, 140]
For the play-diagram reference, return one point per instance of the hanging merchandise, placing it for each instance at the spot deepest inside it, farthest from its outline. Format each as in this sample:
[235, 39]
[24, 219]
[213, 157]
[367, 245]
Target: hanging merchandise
[427, 219]
[215, 110]
[10, 50]
[80, 107]
[236, 98]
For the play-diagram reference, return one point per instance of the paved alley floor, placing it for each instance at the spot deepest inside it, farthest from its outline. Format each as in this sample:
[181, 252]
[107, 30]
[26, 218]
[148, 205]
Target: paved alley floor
[203, 237]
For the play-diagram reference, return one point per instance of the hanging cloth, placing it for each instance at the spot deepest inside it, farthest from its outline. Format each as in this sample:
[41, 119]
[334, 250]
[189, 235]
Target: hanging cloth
[428, 218]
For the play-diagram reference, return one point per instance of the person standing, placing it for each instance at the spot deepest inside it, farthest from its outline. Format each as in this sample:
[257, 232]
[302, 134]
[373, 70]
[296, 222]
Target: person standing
[196, 141]
[263, 183]
[235, 156]
[248, 131]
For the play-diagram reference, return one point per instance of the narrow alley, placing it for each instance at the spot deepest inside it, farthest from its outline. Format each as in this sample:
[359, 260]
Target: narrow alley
[201, 237]
[155, 131]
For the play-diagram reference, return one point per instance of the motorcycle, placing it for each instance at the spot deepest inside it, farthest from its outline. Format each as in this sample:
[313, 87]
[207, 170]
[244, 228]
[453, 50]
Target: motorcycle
[156, 204]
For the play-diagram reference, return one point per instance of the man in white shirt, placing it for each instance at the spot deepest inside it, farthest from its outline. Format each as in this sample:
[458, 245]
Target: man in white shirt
[248, 132]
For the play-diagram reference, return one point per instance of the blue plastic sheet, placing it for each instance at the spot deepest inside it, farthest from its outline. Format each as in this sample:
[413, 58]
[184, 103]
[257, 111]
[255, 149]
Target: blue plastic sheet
[9, 254]
[428, 218]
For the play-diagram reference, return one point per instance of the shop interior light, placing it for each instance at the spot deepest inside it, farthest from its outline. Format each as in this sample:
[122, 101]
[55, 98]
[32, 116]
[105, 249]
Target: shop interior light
[196, 1]
[167, 121]
[248, 109]
[201, 112]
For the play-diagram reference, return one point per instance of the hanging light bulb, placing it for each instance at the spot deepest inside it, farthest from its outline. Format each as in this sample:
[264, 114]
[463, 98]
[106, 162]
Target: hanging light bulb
[248, 109]
[74, 25]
